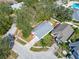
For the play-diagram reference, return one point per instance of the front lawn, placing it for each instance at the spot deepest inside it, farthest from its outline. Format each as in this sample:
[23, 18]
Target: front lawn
[46, 41]
[75, 36]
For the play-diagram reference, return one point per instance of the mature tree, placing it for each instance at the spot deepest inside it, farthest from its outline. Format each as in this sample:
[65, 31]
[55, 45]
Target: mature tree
[5, 20]
[34, 11]
[39, 10]
[4, 47]
[23, 22]
[42, 9]
[62, 14]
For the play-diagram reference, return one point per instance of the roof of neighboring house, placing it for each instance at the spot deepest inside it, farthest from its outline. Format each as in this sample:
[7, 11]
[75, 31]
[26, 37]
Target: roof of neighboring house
[42, 29]
[75, 15]
[76, 49]
[60, 27]
[75, 44]
[62, 32]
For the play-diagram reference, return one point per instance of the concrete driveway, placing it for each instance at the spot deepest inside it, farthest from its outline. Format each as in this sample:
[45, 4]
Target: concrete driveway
[23, 53]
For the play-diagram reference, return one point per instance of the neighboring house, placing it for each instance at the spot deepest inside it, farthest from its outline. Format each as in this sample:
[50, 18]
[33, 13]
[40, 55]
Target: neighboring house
[75, 15]
[75, 49]
[62, 32]
[17, 5]
[42, 29]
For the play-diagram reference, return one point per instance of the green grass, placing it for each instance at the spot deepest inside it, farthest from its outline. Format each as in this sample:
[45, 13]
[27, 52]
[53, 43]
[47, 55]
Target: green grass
[75, 36]
[20, 41]
[62, 47]
[46, 41]
[39, 49]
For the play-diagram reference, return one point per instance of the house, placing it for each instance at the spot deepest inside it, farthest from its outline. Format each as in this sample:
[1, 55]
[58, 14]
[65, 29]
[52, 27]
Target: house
[39, 32]
[75, 15]
[62, 32]
[72, 45]
[42, 29]
[17, 5]
[75, 49]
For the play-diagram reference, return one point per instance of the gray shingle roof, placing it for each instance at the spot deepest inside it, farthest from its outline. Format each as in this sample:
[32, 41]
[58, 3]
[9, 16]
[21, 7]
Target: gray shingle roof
[43, 29]
[62, 32]
[60, 27]
[75, 44]
[76, 49]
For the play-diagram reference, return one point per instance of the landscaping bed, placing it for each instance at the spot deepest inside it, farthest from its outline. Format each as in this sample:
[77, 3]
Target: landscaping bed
[29, 38]
[62, 47]
[54, 22]
[38, 49]
[20, 41]
[46, 42]
[13, 55]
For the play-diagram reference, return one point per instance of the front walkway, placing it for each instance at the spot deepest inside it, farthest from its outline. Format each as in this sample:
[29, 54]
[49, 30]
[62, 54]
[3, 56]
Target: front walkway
[32, 42]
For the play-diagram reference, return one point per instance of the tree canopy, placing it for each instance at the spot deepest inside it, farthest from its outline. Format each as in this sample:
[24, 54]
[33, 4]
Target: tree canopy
[61, 13]
[4, 47]
[35, 11]
[5, 19]
[23, 22]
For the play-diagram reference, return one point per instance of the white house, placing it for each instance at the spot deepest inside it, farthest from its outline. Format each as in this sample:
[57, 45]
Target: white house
[17, 5]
